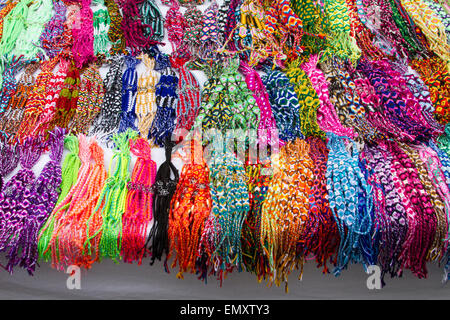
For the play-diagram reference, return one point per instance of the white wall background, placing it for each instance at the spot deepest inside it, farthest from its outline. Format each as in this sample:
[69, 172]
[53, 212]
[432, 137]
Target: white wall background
[107, 280]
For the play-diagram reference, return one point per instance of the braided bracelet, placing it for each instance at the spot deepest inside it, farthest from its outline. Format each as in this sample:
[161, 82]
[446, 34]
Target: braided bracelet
[101, 21]
[347, 187]
[253, 257]
[57, 83]
[10, 121]
[190, 207]
[146, 96]
[163, 190]
[51, 36]
[189, 95]
[109, 117]
[90, 101]
[129, 93]
[285, 105]
[69, 175]
[16, 205]
[163, 123]
[139, 203]
[390, 213]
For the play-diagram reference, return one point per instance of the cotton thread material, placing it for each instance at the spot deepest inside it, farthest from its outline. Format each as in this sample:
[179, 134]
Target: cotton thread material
[139, 203]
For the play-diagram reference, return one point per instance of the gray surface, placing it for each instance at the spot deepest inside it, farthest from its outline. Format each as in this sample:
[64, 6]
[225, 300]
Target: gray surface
[108, 280]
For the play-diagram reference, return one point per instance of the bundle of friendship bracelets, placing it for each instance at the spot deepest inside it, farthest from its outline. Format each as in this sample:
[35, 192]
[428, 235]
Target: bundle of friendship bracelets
[321, 135]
